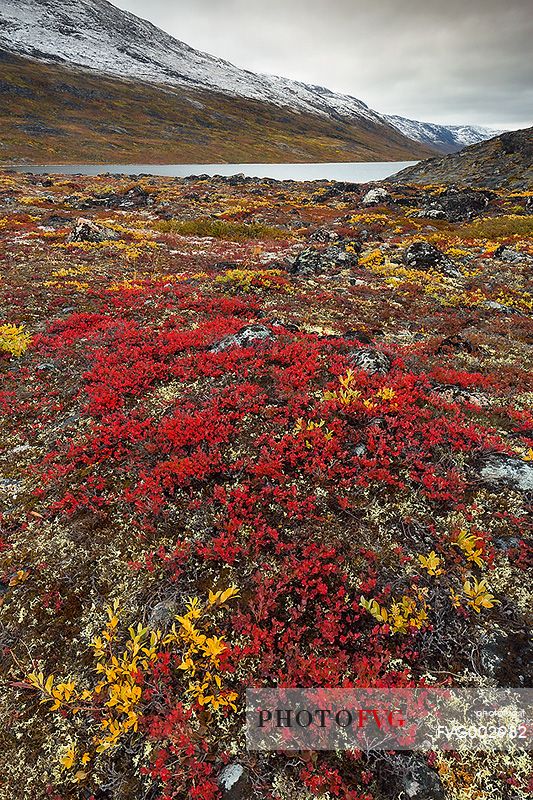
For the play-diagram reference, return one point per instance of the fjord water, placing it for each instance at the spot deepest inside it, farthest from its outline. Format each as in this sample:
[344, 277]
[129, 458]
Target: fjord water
[356, 172]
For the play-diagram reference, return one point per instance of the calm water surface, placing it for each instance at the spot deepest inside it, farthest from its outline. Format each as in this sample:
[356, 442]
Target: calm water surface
[357, 172]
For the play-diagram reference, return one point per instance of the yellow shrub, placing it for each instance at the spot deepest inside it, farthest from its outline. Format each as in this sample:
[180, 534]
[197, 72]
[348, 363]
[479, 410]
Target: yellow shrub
[14, 339]
[117, 696]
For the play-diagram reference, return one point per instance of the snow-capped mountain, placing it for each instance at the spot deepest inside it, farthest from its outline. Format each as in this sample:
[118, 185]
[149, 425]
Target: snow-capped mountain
[95, 35]
[447, 138]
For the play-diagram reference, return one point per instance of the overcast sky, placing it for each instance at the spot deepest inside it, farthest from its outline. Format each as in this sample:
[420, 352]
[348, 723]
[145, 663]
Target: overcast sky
[449, 61]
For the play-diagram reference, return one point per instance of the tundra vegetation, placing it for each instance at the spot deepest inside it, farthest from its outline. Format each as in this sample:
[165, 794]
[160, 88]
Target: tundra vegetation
[256, 434]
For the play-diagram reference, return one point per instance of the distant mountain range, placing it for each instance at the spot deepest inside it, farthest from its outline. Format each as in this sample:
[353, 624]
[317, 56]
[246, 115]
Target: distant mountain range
[445, 138]
[63, 48]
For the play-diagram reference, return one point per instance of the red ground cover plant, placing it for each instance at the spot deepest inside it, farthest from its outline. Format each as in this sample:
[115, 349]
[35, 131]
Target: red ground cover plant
[151, 461]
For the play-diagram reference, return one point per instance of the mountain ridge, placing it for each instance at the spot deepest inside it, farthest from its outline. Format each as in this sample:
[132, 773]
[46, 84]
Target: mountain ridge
[96, 36]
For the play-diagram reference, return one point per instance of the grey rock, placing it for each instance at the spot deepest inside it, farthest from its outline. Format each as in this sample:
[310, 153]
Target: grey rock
[492, 653]
[507, 657]
[11, 486]
[458, 205]
[494, 306]
[375, 196]
[411, 778]
[505, 253]
[370, 360]
[425, 256]
[162, 614]
[500, 469]
[432, 213]
[314, 261]
[234, 782]
[249, 336]
[87, 231]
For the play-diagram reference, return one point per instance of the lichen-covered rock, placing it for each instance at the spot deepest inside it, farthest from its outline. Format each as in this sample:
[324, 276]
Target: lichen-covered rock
[375, 196]
[234, 782]
[409, 776]
[507, 657]
[500, 469]
[87, 231]
[425, 256]
[248, 336]
[505, 253]
[458, 205]
[314, 261]
[370, 360]
[162, 614]
[324, 235]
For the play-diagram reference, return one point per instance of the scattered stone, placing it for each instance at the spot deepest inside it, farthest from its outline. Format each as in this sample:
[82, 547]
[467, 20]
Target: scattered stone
[500, 469]
[313, 261]
[358, 450]
[455, 343]
[87, 231]
[248, 336]
[11, 486]
[370, 360]
[410, 777]
[46, 365]
[507, 658]
[162, 614]
[234, 782]
[505, 253]
[458, 205]
[20, 448]
[492, 304]
[290, 326]
[375, 197]
[323, 235]
[425, 256]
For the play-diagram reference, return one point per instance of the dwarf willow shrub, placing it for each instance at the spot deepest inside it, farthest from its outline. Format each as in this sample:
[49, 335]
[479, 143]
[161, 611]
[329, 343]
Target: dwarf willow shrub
[219, 229]
[497, 227]
[14, 339]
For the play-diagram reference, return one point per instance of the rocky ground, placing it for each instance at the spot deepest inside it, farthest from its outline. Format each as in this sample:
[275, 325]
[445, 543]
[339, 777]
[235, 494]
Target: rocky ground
[506, 161]
[235, 412]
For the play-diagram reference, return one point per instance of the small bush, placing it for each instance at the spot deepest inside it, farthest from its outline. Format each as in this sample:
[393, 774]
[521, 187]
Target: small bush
[219, 229]
[497, 228]
[14, 339]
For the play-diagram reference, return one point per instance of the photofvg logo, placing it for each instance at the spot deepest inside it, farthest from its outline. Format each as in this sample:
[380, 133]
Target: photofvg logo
[389, 719]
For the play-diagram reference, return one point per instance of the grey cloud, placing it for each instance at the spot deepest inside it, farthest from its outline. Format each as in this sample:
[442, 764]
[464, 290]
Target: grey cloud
[449, 61]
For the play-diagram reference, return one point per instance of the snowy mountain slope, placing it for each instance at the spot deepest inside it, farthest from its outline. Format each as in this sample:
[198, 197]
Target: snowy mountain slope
[61, 114]
[95, 35]
[447, 138]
